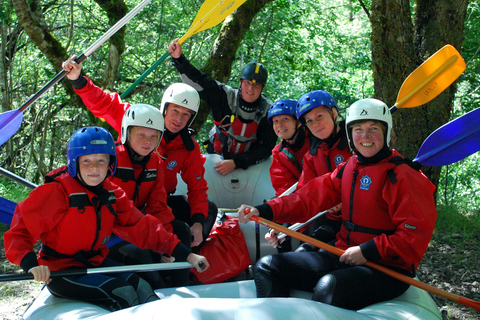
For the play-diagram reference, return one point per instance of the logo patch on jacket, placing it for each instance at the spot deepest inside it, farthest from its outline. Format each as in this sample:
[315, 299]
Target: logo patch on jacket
[365, 183]
[172, 164]
[338, 159]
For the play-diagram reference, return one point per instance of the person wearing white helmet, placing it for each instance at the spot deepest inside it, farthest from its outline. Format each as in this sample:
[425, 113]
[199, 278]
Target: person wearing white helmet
[242, 134]
[74, 214]
[388, 218]
[147, 179]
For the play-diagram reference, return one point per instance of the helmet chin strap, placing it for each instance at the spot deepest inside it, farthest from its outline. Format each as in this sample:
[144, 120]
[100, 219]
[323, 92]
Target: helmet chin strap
[294, 135]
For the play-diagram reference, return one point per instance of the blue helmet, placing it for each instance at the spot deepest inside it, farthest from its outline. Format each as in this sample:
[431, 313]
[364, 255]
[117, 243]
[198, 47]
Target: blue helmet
[314, 99]
[282, 106]
[90, 140]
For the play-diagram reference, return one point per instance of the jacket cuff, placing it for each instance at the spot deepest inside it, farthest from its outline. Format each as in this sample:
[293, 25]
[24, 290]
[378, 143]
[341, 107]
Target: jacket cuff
[198, 217]
[265, 211]
[79, 83]
[29, 261]
[370, 251]
[240, 163]
[181, 252]
[178, 61]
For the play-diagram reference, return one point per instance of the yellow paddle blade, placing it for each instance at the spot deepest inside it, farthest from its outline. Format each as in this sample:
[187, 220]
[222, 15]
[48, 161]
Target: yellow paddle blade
[431, 78]
[211, 13]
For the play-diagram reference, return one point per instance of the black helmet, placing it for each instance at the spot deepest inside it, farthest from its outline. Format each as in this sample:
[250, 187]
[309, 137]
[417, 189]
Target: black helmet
[255, 72]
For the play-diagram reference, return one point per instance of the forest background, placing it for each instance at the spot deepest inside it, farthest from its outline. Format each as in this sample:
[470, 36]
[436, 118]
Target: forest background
[351, 48]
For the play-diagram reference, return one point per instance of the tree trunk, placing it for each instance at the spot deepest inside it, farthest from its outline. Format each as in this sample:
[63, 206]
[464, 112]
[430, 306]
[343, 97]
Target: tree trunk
[30, 17]
[399, 45]
[224, 51]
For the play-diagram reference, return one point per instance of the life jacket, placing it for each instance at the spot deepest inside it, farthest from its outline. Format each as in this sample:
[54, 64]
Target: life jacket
[82, 213]
[363, 225]
[125, 176]
[235, 133]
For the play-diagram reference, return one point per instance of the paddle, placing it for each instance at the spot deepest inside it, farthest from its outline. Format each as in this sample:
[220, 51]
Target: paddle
[17, 178]
[462, 300]
[451, 142]
[299, 225]
[10, 121]
[103, 270]
[430, 78]
[211, 13]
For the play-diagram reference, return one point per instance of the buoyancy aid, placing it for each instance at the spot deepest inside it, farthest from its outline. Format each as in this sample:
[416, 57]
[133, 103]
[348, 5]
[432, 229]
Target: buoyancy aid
[236, 132]
[366, 185]
[85, 210]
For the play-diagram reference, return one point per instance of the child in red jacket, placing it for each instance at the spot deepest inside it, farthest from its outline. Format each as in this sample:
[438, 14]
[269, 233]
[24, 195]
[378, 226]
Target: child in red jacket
[74, 214]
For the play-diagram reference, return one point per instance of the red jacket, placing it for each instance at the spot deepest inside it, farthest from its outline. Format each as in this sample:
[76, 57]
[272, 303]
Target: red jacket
[177, 159]
[151, 193]
[54, 214]
[324, 161]
[287, 164]
[403, 207]
[189, 164]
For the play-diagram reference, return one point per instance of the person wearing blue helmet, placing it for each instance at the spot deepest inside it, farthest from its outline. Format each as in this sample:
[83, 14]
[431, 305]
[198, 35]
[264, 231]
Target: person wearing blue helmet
[242, 134]
[74, 215]
[287, 156]
[318, 112]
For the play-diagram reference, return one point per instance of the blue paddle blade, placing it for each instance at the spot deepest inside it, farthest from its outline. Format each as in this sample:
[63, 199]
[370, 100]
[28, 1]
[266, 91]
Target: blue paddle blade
[452, 142]
[10, 121]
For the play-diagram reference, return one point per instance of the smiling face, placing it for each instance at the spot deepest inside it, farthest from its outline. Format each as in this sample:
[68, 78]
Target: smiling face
[93, 168]
[176, 117]
[143, 140]
[368, 137]
[284, 125]
[320, 122]
[250, 90]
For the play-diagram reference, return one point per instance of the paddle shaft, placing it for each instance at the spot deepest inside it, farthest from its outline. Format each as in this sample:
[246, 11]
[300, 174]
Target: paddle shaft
[337, 251]
[206, 18]
[103, 270]
[87, 53]
[298, 225]
[17, 178]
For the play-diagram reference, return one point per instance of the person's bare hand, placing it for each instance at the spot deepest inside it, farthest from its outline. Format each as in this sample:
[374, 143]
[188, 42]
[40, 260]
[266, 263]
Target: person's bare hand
[74, 69]
[225, 166]
[175, 49]
[353, 256]
[197, 233]
[41, 274]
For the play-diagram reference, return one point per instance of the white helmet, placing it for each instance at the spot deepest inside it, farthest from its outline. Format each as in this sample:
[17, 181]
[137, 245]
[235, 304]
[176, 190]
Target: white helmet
[369, 109]
[183, 95]
[142, 115]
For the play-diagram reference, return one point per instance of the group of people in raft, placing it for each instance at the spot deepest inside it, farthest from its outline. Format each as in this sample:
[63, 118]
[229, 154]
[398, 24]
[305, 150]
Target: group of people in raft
[381, 206]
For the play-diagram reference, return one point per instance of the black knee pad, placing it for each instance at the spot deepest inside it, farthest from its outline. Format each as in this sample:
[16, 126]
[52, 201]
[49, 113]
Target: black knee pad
[143, 290]
[325, 289]
[306, 247]
[262, 276]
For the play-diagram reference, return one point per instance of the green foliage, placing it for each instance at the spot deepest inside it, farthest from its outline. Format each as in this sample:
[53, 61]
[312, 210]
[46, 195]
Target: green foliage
[11, 190]
[453, 223]
[305, 45]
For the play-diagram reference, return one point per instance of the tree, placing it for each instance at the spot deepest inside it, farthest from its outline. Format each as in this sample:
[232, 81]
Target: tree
[399, 44]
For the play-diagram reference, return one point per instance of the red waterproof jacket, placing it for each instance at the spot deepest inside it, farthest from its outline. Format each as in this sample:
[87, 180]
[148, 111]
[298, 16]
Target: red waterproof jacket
[62, 215]
[388, 209]
[287, 165]
[177, 159]
[148, 179]
[324, 160]
[189, 164]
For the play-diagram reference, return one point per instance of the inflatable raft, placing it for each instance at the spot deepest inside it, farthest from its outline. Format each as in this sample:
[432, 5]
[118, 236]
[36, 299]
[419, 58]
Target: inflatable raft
[236, 299]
